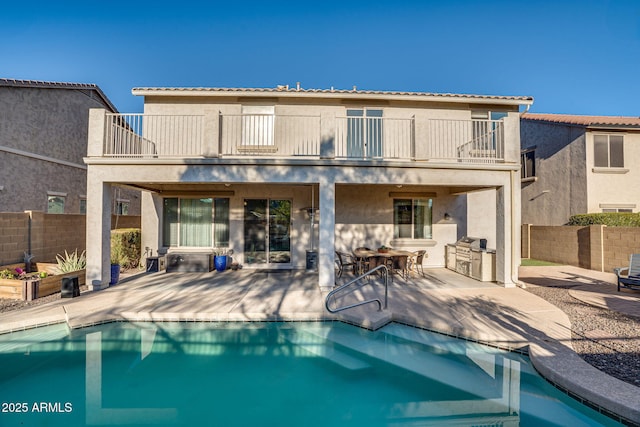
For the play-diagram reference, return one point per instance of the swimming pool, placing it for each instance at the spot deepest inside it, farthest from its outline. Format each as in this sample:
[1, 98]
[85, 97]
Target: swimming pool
[271, 374]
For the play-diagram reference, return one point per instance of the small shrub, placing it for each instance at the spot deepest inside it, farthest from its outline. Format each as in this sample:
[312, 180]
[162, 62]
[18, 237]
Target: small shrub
[622, 219]
[71, 262]
[125, 247]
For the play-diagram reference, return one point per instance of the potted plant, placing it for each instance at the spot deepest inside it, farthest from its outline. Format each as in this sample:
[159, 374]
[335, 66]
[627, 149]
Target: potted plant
[118, 259]
[220, 258]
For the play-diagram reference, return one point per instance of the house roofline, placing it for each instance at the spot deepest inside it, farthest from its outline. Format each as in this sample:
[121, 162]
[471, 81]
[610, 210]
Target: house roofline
[59, 85]
[286, 92]
[588, 122]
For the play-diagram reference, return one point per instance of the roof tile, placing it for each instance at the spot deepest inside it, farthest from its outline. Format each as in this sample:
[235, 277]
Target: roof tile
[584, 120]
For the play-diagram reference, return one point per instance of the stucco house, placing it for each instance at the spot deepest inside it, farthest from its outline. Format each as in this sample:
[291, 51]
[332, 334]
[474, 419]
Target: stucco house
[43, 140]
[279, 173]
[574, 164]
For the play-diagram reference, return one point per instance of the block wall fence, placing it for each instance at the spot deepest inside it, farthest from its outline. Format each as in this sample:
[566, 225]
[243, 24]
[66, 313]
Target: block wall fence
[46, 235]
[596, 247]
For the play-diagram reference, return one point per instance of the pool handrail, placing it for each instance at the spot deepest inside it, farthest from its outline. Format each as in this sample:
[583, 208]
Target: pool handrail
[357, 279]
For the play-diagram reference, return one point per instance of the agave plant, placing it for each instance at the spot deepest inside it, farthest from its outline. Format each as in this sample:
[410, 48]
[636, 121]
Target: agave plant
[71, 261]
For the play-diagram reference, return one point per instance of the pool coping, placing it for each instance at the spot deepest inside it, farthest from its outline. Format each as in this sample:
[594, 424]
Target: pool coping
[547, 343]
[555, 362]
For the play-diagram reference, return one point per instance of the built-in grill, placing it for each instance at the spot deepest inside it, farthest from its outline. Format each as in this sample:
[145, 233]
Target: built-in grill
[464, 248]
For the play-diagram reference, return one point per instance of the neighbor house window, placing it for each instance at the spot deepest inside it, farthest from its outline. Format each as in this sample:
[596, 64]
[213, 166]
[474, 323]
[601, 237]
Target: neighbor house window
[122, 207]
[83, 205]
[55, 203]
[616, 210]
[608, 151]
[364, 133]
[412, 218]
[202, 222]
[528, 169]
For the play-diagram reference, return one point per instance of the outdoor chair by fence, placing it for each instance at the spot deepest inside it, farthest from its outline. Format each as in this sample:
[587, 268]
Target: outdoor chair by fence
[344, 261]
[629, 277]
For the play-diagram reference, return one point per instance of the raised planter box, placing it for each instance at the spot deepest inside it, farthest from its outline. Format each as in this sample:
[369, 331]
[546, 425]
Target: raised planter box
[16, 288]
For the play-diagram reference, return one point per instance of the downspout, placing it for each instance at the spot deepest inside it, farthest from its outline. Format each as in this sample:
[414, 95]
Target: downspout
[514, 267]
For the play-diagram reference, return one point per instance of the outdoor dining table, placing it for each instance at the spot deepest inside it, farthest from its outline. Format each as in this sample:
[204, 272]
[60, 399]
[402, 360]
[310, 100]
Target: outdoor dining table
[376, 258]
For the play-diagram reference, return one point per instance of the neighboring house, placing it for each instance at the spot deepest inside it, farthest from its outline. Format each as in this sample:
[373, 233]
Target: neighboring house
[250, 169]
[43, 140]
[578, 164]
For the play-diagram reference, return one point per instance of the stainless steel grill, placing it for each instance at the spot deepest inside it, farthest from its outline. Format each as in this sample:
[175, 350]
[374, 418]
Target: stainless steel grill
[464, 247]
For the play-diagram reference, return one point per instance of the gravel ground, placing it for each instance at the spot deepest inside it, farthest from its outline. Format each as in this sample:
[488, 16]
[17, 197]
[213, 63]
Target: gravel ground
[607, 340]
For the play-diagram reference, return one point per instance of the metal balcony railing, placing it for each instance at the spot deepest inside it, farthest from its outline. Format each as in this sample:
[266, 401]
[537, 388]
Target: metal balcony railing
[374, 138]
[142, 135]
[270, 135]
[476, 141]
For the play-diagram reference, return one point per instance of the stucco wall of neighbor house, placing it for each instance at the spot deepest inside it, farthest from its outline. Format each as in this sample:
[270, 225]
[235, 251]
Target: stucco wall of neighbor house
[614, 187]
[50, 123]
[596, 247]
[560, 187]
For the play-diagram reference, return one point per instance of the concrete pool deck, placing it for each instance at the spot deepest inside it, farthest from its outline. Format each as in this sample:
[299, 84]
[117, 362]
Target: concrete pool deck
[443, 301]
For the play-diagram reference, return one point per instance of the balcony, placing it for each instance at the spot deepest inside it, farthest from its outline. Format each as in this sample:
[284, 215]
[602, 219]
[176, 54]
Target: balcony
[289, 136]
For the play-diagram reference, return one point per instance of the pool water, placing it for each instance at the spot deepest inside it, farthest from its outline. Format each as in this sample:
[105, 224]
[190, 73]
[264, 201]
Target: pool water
[270, 374]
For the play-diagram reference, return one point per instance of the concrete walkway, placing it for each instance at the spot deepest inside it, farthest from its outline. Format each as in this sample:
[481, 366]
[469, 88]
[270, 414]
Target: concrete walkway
[443, 301]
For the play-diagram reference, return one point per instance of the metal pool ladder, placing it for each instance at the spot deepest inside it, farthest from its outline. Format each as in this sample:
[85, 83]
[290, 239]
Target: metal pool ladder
[356, 280]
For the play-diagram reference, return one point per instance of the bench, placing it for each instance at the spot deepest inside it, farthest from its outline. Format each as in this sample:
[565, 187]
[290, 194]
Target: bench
[629, 277]
[191, 262]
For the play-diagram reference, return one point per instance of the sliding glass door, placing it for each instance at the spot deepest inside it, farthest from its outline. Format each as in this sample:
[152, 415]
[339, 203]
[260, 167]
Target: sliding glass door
[267, 232]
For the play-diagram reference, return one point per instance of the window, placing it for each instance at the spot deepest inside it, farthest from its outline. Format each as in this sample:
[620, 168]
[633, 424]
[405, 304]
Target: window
[527, 159]
[617, 210]
[412, 218]
[196, 222]
[364, 133]
[55, 203]
[122, 207]
[608, 151]
[83, 205]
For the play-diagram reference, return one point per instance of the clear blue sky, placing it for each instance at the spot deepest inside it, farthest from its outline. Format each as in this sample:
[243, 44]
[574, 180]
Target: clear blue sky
[572, 56]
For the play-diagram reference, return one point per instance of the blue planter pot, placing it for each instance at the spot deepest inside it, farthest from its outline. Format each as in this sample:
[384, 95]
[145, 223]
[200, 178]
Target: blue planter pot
[220, 262]
[115, 274]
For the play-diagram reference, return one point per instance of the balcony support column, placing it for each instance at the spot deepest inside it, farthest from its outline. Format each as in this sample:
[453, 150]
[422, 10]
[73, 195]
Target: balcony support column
[98, 232]
[327, 136]
[326, 235]
[211, 134]
[96, 132]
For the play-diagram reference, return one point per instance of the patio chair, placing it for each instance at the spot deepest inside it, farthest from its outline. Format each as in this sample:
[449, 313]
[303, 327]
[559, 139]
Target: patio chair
[415, 262]
[343, 261]
[401, 266]
[632, 277]
[362, 263]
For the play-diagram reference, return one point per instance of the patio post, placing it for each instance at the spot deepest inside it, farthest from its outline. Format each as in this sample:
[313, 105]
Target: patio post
[326, 273]
[98, 232]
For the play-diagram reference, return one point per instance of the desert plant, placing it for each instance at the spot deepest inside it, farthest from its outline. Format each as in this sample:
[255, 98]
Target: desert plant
[71, 261]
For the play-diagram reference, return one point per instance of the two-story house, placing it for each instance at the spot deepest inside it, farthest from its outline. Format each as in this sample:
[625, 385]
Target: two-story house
[574, 164]
[43, 140]
[275, 174]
